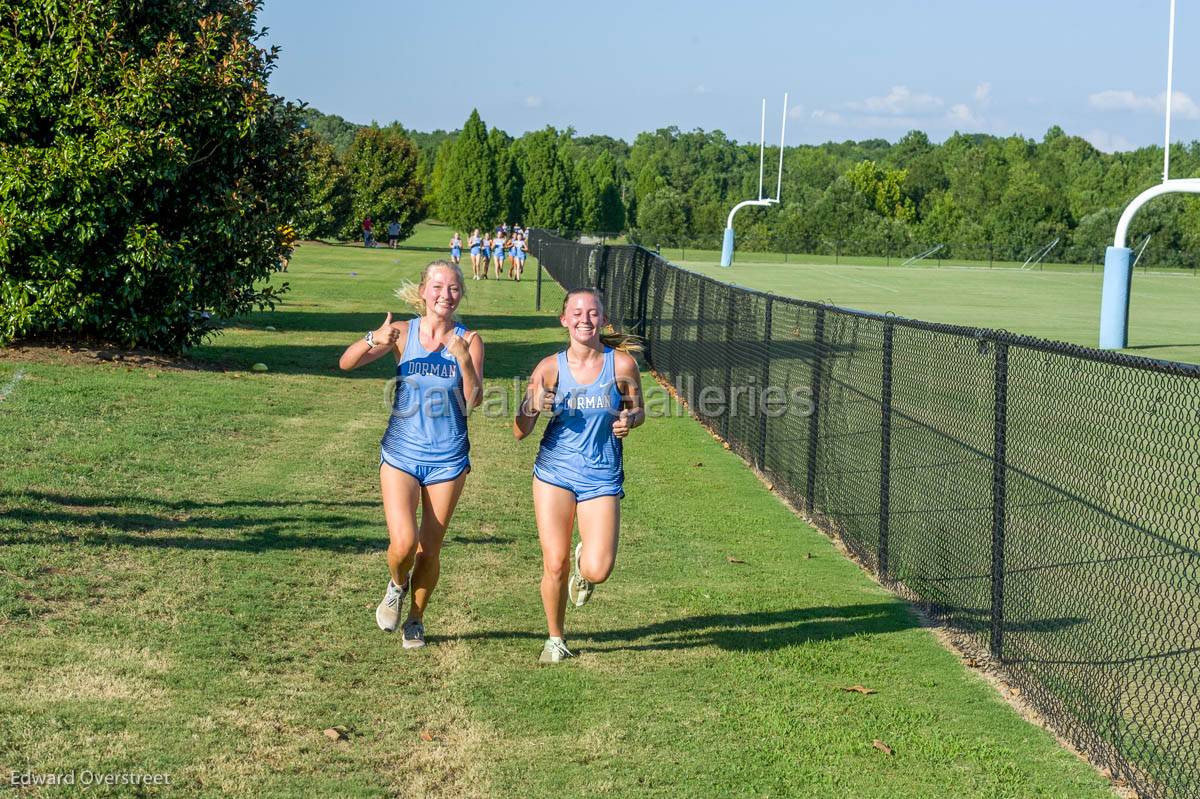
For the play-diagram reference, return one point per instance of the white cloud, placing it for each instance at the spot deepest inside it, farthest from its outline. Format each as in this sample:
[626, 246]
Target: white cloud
[960, 114]
[828, 117]
[1126, 100]
[900, 100]
[533, 101]
[983, 94]
[1108, 142]
[890, 123]
[796, 112]
[700, 88]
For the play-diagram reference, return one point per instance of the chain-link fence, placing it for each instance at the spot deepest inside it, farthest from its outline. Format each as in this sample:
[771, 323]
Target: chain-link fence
[1043, 499]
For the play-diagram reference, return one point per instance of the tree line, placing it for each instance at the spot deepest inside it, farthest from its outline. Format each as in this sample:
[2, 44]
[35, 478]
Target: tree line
[152, 182]
[979, 195]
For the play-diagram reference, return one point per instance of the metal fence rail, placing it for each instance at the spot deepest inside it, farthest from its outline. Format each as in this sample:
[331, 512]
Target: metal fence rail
[1041, 498]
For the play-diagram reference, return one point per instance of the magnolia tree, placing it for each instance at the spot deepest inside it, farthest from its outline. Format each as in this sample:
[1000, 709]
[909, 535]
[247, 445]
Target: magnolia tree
[146, 172]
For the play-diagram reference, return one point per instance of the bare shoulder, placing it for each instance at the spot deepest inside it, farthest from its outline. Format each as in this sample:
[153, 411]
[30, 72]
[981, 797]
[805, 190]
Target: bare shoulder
[625, 364]
[547, 369]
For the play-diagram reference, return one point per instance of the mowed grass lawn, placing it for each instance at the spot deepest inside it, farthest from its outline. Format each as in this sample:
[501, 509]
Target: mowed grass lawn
[1060, 304]
[190, 560]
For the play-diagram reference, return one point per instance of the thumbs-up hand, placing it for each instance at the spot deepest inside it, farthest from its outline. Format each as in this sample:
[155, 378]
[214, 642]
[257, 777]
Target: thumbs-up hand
[456, 346]
[543, 397]
[620, 426]
[387, 334]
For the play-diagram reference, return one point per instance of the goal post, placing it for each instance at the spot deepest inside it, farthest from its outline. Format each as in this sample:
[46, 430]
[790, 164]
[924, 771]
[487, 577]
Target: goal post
[1118, 259]
[727, 243]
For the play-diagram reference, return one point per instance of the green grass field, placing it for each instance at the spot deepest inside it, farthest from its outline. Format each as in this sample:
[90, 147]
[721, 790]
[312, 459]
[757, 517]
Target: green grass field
[1060, 303]
[190, 559]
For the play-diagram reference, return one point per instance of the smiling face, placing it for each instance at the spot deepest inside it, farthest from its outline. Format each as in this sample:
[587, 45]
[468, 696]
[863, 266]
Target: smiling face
[442, 290]
[583, 317]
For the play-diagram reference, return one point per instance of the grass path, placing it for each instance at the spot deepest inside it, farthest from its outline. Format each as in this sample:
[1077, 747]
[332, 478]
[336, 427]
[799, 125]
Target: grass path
[189, 561]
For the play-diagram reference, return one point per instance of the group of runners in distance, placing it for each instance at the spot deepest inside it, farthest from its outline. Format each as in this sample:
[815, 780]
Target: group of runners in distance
[591, 394]
[491, 250]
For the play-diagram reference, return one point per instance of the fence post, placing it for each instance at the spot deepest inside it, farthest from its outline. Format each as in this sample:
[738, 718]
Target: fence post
[765, 381]
[999, 496]
[885, 453]
[602, 268]
[538, 301]
[837, 252]
[989, 255]
[814, 418]
[730, 331]
[656, 313]
[701, 299]
[643, 293]
[676, 331]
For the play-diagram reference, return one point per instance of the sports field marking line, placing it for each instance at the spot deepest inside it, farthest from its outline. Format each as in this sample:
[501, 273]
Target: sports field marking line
[8, 388]
[869, 283]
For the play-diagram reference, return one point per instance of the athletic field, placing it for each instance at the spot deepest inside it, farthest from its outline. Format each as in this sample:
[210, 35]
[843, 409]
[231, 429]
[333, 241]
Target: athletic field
[1061, 302]
[190, 559]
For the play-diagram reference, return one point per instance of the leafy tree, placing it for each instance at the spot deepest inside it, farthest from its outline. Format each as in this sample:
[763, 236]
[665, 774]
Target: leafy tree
[147, 171]
[662, 218]
[548, 194]
[883, 189]
[335, 131]
[467, 194]
[385, 181]
[325, 210]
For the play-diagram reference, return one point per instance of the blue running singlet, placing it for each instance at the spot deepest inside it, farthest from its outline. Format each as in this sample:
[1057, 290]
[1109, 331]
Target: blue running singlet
[579, 451]
[428, 426]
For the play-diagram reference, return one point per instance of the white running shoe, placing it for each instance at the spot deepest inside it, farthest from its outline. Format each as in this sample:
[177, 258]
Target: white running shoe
[387, 615]
[555, 651]
[414, 634]
[579, 590]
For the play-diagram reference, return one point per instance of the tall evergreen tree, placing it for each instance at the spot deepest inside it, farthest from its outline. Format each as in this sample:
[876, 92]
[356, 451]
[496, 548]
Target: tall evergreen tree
[610, 210]
[509, 183]
[433, 195]
[549, 192]
[601, 209]
[467, 195]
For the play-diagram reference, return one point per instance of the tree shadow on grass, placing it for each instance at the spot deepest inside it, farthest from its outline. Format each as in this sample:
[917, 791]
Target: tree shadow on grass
[503, 360]
[41, 518]
[286, 320]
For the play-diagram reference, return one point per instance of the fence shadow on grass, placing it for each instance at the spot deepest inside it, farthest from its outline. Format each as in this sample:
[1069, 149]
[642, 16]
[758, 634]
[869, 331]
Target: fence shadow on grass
[754, 632]
[757, 631]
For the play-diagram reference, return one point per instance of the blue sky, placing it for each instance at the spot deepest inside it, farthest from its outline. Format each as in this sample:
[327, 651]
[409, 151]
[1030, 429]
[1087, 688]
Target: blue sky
[853, 70]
